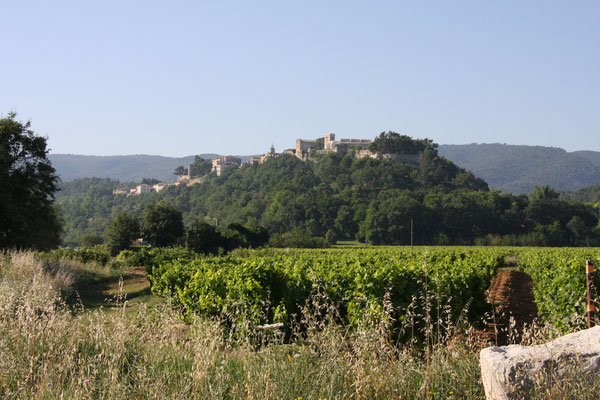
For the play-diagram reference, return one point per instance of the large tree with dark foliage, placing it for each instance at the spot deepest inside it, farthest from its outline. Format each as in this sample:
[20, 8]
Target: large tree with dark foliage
[161, 226]
[393, 143]
[203, 238]
[121, 232]
[200, 167]
[28, 181]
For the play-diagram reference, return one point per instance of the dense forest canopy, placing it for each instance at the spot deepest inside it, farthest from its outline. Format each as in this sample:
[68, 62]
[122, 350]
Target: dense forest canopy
[345, 197]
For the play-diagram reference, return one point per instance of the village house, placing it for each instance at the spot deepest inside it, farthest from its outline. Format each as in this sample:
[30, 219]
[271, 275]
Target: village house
[303, 147]
[121, 191]
[143, 188]
[139, 189]
[159, 186]
[219, 163]
[265, 157]
[330, 144]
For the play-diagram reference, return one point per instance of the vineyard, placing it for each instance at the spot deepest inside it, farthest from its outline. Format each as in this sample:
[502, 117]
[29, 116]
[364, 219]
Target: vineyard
[343, 313]
[270, 286]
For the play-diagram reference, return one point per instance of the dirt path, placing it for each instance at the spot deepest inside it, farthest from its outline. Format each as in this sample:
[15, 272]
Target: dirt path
[135, 289]
[511, 292]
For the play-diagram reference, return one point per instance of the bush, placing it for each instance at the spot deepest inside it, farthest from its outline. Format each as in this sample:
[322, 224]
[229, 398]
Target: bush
[526, 239]
[98, 254]
[298, 238]
[150, 258]
[202, 237]
[91, 240]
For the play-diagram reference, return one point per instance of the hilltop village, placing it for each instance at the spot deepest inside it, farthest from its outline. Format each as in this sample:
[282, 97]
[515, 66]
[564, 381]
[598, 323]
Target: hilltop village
[304, 149]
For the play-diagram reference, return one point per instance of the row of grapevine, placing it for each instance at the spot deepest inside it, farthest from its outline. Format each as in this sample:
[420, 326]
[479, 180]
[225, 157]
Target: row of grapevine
[271, 286]
[560, 281]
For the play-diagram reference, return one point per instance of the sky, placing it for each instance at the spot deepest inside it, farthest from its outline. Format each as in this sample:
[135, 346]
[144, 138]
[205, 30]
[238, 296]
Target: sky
[178, 78]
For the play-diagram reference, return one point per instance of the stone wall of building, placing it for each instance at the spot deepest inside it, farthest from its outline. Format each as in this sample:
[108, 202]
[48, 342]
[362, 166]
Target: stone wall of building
[219, 163]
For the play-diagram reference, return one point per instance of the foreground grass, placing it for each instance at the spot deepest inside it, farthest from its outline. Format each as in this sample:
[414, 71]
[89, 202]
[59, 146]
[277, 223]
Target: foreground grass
[49, 351]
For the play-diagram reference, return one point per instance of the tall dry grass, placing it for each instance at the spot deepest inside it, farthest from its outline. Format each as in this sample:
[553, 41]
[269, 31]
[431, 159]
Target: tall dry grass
[49, 350]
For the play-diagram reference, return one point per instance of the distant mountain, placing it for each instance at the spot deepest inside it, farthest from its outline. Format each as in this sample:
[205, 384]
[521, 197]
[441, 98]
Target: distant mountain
[591, 156]
[518, 169]
[131, 168]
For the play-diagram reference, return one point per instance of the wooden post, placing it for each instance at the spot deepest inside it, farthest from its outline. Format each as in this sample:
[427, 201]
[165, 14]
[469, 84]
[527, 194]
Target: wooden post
[589, 276]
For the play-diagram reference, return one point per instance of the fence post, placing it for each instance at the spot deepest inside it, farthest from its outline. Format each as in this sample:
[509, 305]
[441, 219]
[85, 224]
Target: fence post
[589, 276]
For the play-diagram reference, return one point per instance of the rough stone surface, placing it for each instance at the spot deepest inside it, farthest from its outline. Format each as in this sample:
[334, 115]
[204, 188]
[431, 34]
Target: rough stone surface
[509, 371]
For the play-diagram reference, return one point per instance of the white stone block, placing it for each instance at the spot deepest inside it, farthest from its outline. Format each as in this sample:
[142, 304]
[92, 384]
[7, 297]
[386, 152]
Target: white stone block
[508, 371]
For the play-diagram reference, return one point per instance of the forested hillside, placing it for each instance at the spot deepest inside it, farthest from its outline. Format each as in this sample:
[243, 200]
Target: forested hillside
[590, 194]
[592, 156]
[343, 197]
[518, 169]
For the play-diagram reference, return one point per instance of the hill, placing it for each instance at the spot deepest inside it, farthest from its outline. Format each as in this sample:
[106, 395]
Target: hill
[518, 169]
[592, 156]
[340, 196]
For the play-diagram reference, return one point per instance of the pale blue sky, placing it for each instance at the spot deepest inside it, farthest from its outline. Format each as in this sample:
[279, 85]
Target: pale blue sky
[179, 78]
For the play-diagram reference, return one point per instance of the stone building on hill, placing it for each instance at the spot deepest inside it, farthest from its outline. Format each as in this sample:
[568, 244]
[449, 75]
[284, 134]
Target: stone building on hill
[124, 191]
[303, 148]
[219, 163]
[265, 157]
[330, 145]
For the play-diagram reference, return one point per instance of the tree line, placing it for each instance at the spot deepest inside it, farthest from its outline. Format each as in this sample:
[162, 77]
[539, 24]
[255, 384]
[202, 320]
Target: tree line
[162, 226]
[333, 196]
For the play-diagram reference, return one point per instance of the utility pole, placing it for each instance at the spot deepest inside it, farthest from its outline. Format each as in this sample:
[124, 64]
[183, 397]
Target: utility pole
[411, 233]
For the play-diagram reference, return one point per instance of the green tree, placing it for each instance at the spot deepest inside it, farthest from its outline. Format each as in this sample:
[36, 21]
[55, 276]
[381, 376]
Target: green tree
[203, 238]
[394, 143]
[200, 167]
[150, 181]
[179, 171]
[388, 217]
[90, 240]
[577, 228]
[545, 206]
[241, 236]
[28, 218]
[161, 226]
[320, 143]
[122, 231]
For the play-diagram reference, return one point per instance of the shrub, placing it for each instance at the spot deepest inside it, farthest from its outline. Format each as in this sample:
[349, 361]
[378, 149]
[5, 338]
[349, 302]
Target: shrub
[298, 238]
[150, 258]
[98, 254]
